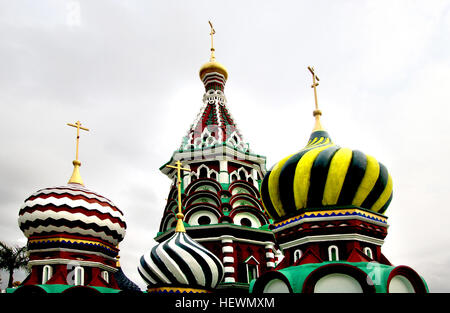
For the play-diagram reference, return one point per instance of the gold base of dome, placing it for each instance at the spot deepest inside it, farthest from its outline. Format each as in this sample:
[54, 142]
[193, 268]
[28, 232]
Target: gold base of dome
[76, 177]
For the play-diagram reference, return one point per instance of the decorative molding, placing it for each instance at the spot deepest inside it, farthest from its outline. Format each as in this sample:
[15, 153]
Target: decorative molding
[70, 261]
[325, 238]
[74, 251]
[337, 214]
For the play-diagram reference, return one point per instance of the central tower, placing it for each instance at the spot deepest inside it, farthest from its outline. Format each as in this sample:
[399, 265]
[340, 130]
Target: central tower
[220, 187]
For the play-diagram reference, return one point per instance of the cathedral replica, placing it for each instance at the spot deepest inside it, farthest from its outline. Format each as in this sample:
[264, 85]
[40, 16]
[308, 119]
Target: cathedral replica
[313, 223]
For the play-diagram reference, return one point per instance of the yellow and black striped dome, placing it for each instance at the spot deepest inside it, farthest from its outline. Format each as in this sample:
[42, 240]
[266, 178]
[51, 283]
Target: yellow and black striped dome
[323, 174]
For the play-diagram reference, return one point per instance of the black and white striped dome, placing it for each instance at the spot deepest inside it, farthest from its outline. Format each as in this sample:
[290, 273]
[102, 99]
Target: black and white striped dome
[180, 261]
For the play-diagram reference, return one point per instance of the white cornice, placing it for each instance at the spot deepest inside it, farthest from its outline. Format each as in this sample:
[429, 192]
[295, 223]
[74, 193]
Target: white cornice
[73, 262]
[324, 238]
[220, 152]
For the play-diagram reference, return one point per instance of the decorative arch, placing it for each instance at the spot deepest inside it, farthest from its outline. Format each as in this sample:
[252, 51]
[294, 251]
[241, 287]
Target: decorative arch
[203, 171]
[411, 275]
[251, 189]
[171, 205]
[167, 222]
[213, 174]
[47, 273]
[245, 200]
[193, 186]
[78, 276]
[202, 196]
[361, 277]
[333, 253]
[368, 252]
[264, 280]
[297, 255]
[243, 211]
[196, 212]
[30, 290]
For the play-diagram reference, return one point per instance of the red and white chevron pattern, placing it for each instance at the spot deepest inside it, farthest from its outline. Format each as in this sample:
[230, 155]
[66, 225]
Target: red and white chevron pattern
[71, 209]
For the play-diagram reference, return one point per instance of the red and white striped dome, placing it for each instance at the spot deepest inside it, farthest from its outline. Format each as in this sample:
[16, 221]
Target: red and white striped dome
[71, 209]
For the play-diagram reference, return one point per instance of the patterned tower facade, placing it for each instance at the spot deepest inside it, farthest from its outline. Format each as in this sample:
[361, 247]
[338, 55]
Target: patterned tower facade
[220, 194]
[328, 204]
[73, 239]
[73, 234]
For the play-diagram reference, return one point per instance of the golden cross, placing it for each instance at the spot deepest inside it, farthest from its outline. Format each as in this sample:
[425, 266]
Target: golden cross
[317, 113]
[314, 85]
[180, 216]
[77, 125]
[212, 40]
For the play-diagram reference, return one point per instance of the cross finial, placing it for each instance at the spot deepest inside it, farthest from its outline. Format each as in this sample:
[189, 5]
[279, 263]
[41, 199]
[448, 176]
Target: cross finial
[180, 216]
[77, 125]
[317, 113]
[76, 177]
[213, 31]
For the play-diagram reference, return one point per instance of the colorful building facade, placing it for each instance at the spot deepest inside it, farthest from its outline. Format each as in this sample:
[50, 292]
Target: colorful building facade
[314, 222]
[73, 239]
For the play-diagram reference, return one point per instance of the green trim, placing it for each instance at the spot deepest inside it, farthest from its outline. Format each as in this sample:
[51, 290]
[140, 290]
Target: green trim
[379, 273]
[58, 288]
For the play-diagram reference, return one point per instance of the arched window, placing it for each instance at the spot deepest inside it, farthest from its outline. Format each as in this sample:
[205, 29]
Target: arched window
[246, 222]
[233, 177]
[47, 273]
[105, 276]
[368, 252]
[242, 175]
[337, 282]
[204, 220]
[79, 276]
[276, 286]
[297, 255]
[333, 253]
[213, 176]
[252, 272]
[203, 172]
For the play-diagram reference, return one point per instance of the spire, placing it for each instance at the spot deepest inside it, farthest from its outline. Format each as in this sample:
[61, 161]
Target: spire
[76, 177]
[213, 74]
[317, 113]
[180, 226]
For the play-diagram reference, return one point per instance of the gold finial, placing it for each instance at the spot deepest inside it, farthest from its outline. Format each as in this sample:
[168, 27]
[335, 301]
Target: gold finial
[317, 113]
[213, 58]
[76, 177]
[180, 216]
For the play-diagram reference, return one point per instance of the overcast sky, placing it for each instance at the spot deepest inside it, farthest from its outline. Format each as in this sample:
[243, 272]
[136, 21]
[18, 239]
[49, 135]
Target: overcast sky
[128, 70]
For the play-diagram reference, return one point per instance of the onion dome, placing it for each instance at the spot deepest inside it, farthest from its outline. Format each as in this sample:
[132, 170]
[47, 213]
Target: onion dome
[71, 209]
[213, 67]
[323, 174]
[181, 262]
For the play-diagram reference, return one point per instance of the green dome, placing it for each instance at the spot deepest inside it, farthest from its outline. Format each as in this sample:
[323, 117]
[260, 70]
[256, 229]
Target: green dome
[323, 174]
